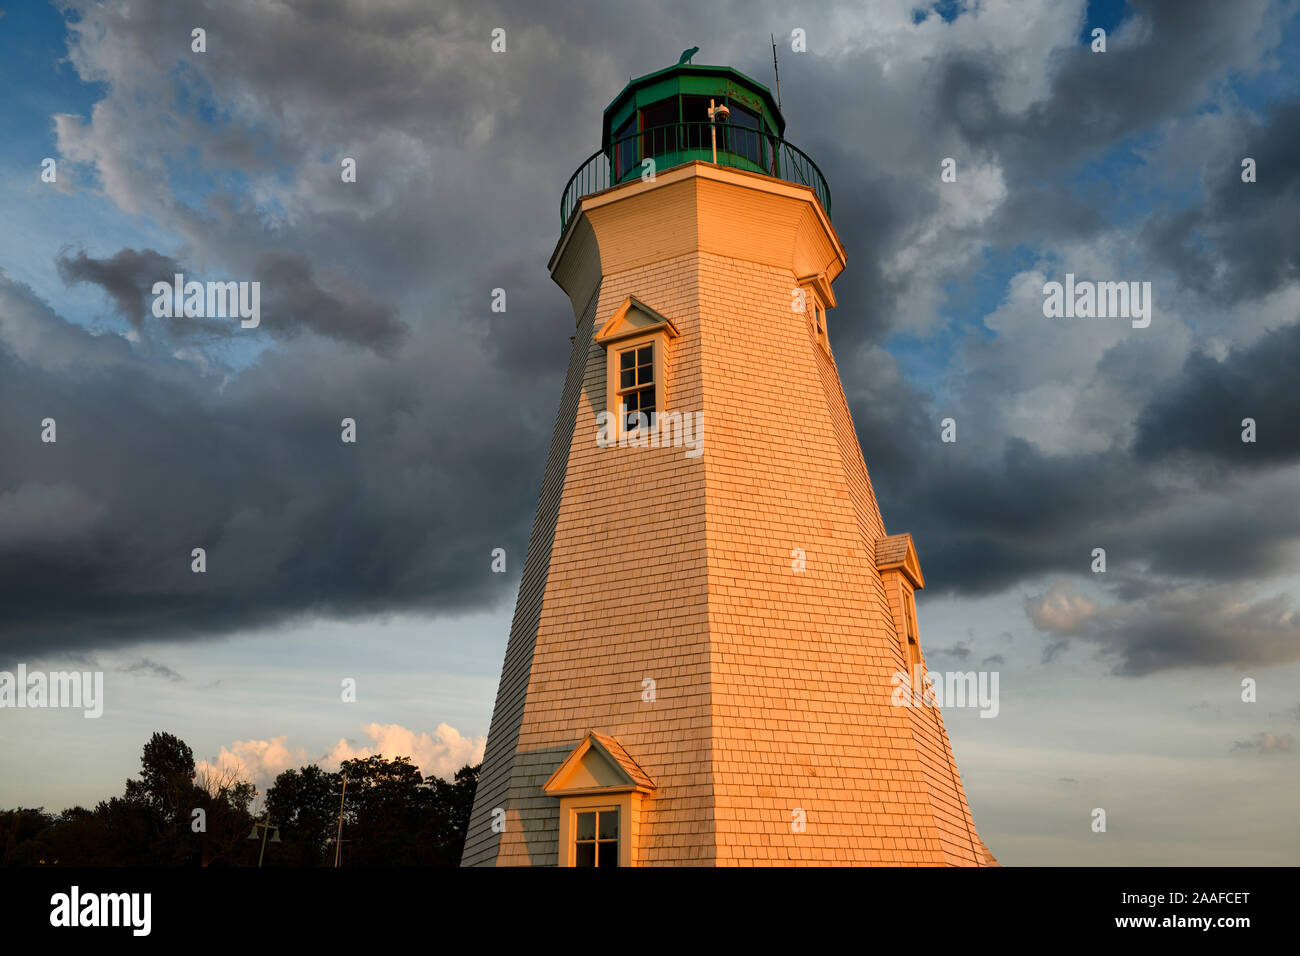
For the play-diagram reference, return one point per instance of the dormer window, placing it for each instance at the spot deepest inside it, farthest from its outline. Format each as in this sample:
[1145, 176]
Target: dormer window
[819, 326]
[912, 649]
[636, 385]
[900, 573]
[636, 341]
[817, 288]
[595, 837]
[600, 789]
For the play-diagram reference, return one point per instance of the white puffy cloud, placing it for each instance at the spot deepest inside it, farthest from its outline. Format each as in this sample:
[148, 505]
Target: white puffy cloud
[1060, 610]
[440, 754]
[257, 760]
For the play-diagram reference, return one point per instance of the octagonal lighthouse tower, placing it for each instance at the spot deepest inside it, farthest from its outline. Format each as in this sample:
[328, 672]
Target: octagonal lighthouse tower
[714, 635]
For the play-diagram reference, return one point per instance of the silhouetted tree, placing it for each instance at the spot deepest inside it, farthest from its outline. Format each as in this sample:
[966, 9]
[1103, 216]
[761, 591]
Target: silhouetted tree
[305, 804]
[444, 834]
[392, 817]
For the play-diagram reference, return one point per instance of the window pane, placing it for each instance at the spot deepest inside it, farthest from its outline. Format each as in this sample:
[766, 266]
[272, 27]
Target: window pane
[695, 109]
[585, 854]
[743, 117]
[644, 355]
[654, 118]
[626, 378]
[740, 140]
[627, 359]
[647, 399]
[587, 826]
[609, 824]
[609, 854]
[625, 153]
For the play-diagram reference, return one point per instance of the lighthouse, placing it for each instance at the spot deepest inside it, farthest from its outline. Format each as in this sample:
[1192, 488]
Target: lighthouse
[713, 622]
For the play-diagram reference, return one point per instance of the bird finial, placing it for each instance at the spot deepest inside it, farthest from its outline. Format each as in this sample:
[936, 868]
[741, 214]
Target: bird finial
[686, 55]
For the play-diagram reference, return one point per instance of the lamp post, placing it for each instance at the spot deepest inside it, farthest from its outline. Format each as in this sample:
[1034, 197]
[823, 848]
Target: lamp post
[266, 826]
[338, 844]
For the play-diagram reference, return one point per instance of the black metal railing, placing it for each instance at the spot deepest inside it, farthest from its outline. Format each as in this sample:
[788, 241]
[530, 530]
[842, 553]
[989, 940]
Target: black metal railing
[739, 147]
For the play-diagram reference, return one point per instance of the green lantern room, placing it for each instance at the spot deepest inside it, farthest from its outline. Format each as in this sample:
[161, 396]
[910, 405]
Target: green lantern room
[664, 116]
[688, 113]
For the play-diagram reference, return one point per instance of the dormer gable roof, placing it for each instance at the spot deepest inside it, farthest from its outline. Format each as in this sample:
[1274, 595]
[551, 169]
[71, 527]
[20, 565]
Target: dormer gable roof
[897, 553]
[599, 764]
[634, 317]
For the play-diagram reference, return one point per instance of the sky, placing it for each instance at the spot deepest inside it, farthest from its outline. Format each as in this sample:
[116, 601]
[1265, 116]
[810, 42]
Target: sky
[371, 562]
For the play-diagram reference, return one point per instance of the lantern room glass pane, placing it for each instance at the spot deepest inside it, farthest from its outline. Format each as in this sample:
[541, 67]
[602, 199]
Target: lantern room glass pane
[659, 120]
[742, 135]
[625, 158]
[695, 111]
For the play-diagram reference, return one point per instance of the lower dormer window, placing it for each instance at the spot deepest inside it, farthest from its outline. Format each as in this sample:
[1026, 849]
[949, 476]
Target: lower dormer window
[600, 789]
[595, 837]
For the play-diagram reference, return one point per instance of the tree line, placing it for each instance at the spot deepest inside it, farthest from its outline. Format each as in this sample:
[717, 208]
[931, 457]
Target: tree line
[175, 816]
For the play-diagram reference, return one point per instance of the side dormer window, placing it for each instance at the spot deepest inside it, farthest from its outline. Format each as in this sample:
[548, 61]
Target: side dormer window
[912, 650]
[817, 289]
[900, 573]
[636, 385]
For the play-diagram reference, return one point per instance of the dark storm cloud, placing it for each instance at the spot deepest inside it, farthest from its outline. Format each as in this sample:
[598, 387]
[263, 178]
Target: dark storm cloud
[150, 464]
[982, 525]
[1242, 241]
[1096, 99]
[127, 276]
[1201, 411]
[1201, 625]
[292, 300]
[871, 213]
[523, 338]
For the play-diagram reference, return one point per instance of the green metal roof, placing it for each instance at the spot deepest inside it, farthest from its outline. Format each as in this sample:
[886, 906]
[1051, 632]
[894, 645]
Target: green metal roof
[691, 79]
